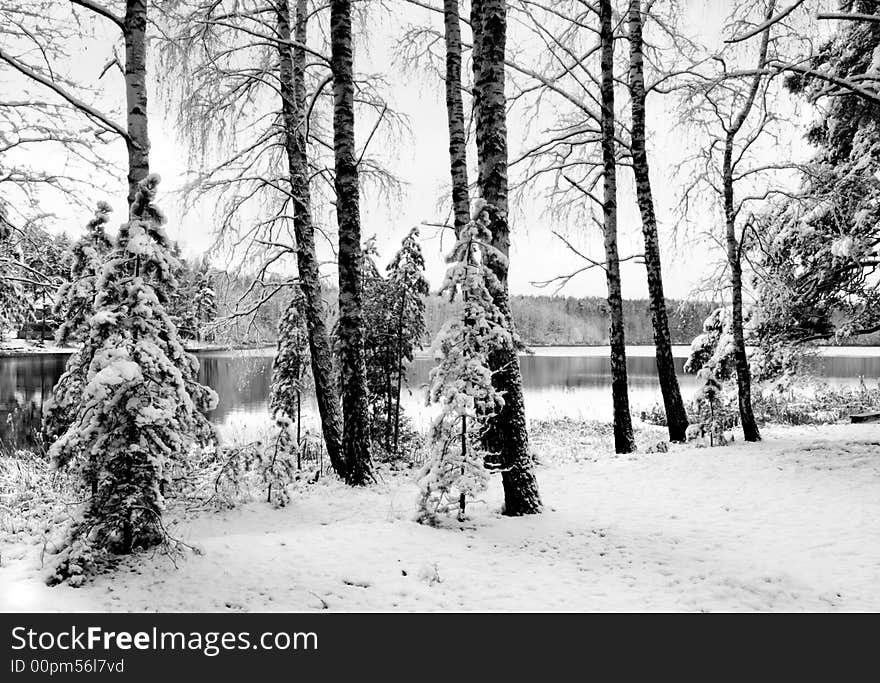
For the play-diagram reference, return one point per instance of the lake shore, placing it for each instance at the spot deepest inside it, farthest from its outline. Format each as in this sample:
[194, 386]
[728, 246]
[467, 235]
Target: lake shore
[21, 347]
[14, 348]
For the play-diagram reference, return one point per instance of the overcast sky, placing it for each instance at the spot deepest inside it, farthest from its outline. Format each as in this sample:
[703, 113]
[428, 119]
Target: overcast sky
[421, 160]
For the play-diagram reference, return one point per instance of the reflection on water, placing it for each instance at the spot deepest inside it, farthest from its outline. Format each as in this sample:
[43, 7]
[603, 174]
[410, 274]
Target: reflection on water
[558, 382]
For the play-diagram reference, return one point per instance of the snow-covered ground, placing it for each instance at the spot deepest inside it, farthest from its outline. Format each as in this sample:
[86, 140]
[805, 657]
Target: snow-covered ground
[790, 524]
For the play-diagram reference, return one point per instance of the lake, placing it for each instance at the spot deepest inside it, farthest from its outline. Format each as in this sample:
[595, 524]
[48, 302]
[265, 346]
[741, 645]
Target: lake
[559, 382]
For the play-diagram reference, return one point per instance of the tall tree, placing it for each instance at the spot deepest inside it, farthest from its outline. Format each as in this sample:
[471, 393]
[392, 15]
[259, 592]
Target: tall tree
[292, 87]
[624, 441]
[506, 434]
[266, 161]
[734, 246]
[355, 418]
[819, 254]
[455, 115]
[133, 26]
[742, 121]
[676, 416]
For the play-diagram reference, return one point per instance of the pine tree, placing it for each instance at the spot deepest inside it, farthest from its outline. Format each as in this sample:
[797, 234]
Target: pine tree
[141, 410]
[408, 288]
[393, 326]
[461, 382]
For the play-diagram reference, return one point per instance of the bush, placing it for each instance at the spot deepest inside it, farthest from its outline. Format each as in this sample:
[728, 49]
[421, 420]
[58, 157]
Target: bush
[799, 402]
[265, 469]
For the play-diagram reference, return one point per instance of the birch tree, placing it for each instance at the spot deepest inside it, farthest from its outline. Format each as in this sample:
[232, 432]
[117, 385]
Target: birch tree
[458, 168]
[676, 417]
[355, 418]
[251, 88]
[506, 434]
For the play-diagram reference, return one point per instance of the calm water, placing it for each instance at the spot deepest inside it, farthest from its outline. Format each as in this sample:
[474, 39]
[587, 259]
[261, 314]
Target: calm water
[559, 381]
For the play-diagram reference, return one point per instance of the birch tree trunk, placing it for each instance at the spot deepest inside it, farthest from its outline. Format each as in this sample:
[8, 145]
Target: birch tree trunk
[506, 433]
[624, 441]
[293, 101]
[138, 144]
[455, 115]
[355, 419]
[734, 248]
[676, 416]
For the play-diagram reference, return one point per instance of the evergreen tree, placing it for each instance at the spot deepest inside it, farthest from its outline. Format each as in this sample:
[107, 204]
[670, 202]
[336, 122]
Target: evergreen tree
[714, 346]
[290, 367]
[408, 287]
[141, 410]
[819, 254]
[204, 301]
[76, 297]
[378, 349]
[74, 307]
[12, 309]
[461, 382]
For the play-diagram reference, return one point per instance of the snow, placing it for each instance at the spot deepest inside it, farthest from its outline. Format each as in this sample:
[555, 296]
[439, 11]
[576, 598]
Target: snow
[792, 523]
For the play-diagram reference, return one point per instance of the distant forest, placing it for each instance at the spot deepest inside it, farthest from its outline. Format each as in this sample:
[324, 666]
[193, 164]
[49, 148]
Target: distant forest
[561, 321]
[540, 320]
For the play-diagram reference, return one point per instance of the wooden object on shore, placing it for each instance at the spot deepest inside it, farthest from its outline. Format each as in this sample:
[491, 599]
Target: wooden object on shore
[865, 417]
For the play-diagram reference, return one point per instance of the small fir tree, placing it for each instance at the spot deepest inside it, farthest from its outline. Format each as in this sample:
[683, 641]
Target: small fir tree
[714, 345]
[291, 365]
[141, 410]
[461, 382]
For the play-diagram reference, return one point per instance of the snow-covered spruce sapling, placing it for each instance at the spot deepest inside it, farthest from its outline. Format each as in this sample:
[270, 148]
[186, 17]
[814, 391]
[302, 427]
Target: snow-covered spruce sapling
[707, 394]
[461, 382]
[714, 345]
[289, 376]
[711, 358]
[142, 411]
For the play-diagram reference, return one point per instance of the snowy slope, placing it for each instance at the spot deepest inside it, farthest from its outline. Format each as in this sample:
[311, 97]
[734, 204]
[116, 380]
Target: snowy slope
[790, 524]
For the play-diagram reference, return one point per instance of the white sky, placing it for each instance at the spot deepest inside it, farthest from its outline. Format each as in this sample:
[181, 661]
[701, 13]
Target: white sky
[422, 161]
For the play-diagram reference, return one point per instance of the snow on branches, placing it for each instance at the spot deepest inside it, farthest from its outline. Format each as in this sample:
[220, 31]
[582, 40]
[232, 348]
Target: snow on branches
[713, 347]
[461, 382]
[76, 297]
[140, 411]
